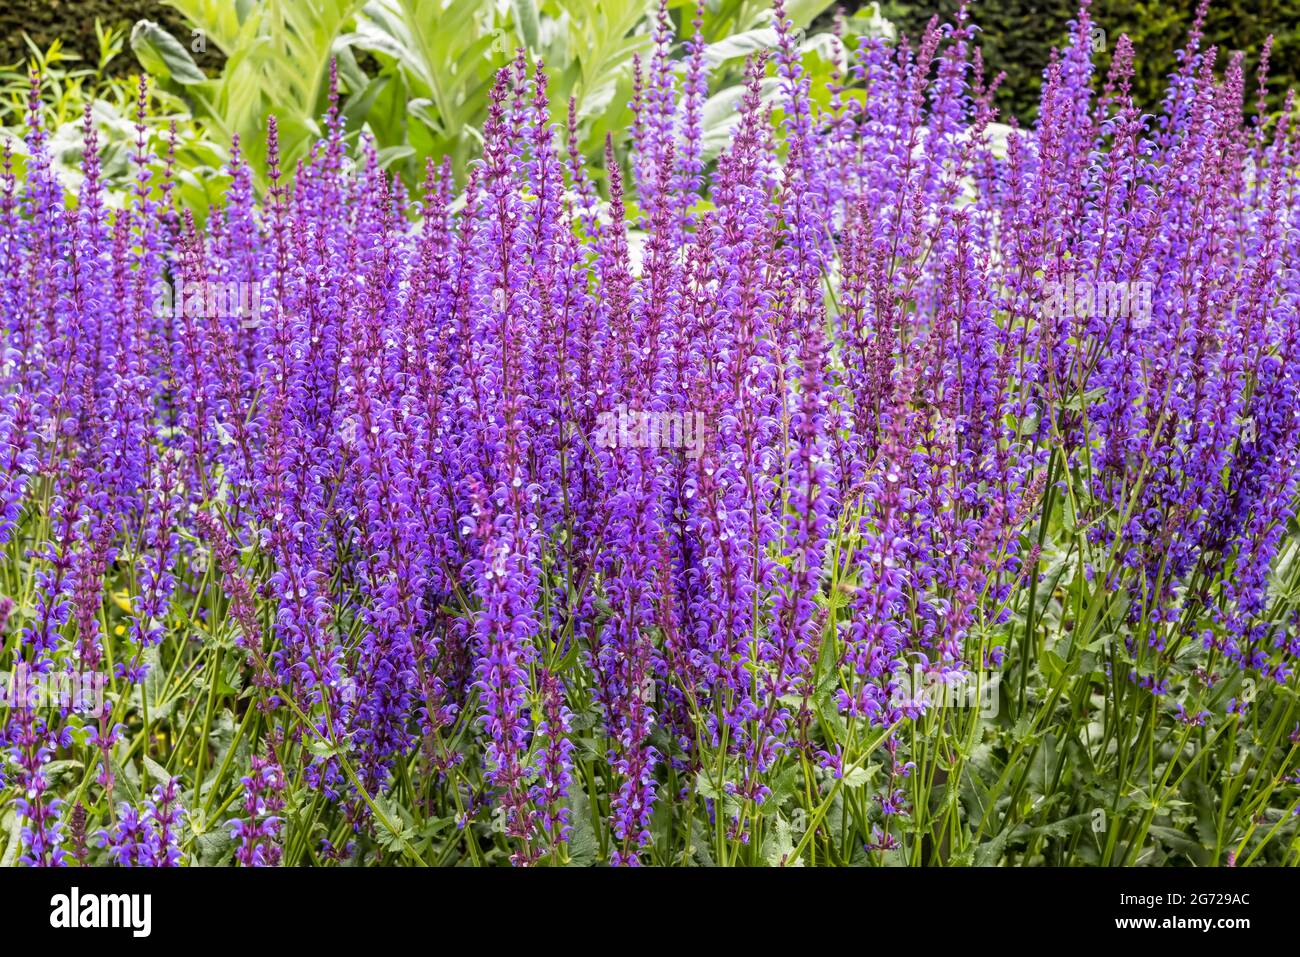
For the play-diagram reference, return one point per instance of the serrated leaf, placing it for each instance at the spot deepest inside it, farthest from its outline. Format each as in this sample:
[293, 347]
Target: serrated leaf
[214, 847]
[700, 844]
[778, 846]
[321, 749]
[156, 771]
[990, 852]
[858, 777]
[582, 839]
[56, 771]
[705, 787]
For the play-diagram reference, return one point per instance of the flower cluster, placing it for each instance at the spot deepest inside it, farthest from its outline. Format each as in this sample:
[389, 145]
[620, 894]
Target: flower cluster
[150, 837]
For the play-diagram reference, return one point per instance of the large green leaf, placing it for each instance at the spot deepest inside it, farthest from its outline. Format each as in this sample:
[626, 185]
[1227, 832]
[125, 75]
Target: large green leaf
[163, 55]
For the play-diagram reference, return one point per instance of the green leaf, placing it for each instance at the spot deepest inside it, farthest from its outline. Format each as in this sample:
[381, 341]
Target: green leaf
[220, 21]
[163, 56]
[582, 840]
[1053, 665]
[57, 771]
[393, 828]
[705, 787]
[783, 788]
[1063, 828]
[322, 749]
[392, 154]
[14, 840]
[859, 777]
[739, 45]
[527, 22]
[777, 847]
[1207, 828]
[804, 12]
[1179, 841]
[156, 770]
[700, 844]
[350, 72]
[989, 853]
[214, 848]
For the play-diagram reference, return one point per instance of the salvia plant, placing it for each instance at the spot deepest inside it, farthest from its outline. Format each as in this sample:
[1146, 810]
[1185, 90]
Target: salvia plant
[888, 491]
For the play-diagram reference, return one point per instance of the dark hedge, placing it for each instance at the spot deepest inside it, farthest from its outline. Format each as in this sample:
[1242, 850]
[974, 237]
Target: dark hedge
[1019, 34]
[74, 22]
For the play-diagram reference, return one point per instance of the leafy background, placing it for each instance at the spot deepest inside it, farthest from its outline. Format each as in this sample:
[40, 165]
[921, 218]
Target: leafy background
[421, 92]
[418, 91]
[1017, 33]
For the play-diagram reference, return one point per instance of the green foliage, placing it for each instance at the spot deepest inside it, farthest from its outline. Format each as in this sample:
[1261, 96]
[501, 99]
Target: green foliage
[415, 74]
[277, 56]
[437, 61]
[69, 80]
[69, 84]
